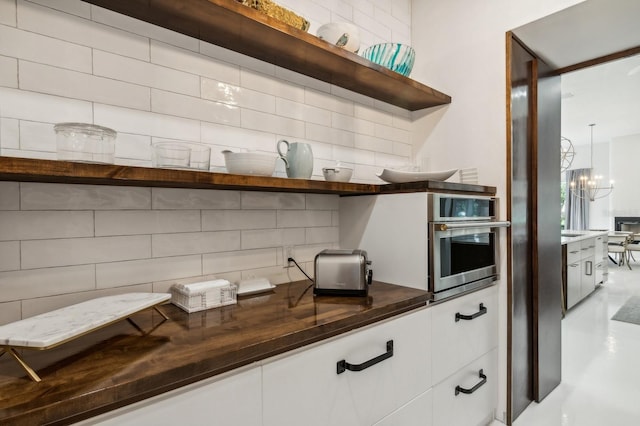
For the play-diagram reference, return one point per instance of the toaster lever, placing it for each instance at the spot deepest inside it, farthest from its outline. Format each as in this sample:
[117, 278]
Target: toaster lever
[370, 276]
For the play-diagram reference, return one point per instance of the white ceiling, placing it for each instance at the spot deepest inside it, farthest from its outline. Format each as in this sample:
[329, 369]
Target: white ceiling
[608, 94]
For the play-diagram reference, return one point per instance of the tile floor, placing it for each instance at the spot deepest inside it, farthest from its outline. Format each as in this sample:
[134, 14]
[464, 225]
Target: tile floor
[600, 362]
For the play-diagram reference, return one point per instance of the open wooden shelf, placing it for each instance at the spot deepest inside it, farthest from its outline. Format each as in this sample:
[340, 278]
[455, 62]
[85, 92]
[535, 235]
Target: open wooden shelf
[36, 170]
[234, 26]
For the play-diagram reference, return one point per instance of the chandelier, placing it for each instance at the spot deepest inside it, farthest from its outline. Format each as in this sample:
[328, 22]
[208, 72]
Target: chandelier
[590, 186]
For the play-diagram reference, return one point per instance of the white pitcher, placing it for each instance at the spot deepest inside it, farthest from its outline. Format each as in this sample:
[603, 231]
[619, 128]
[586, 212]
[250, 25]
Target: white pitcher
[298, 159]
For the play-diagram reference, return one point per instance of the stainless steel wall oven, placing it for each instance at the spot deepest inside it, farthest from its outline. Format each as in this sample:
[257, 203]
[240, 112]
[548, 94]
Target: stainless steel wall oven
[463, 243]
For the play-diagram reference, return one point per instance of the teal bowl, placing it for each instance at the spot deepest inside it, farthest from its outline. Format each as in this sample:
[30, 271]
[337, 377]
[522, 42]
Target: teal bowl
[395, 56]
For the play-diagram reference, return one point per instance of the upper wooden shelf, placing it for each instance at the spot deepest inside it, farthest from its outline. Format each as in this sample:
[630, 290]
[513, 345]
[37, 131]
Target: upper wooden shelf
[234, 26]
[35, 170]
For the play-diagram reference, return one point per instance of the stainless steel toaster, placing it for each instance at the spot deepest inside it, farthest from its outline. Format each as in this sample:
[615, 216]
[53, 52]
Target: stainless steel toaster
[342, 272]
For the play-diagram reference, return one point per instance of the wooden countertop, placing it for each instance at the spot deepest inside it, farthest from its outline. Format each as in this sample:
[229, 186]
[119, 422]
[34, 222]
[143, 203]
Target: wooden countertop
[118, 365]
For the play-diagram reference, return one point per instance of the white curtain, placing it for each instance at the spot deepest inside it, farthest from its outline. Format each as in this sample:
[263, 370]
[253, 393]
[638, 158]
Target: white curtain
[577, 202]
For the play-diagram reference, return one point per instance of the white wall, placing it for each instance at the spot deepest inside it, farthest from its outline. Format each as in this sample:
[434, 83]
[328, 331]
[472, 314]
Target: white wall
[625, 163]
[71, 61]
[461, 51]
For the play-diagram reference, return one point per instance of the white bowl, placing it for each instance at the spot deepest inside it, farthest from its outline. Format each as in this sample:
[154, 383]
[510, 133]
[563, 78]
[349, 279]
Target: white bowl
[337, 174]
[250, 163]
[342, 34]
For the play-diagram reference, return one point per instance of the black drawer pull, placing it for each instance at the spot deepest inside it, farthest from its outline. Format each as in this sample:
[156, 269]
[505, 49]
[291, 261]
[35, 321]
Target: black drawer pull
[460, 389]
[482, 311]
[344, 365]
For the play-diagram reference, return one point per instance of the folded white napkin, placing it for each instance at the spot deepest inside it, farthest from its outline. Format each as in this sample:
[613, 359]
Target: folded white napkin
[199, 287]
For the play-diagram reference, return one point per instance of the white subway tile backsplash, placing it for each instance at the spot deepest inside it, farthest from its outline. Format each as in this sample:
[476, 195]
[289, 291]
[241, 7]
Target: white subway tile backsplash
[272, 200]
[391, 133]
[186, 60]
[351, 156]
[300, 111]
[141, 28]
[348, 95]
[134, 147]
[36, 136]
[232, 95]
[54, 196]
[149, 84]
[143, 73]
[57, 81]
[9, 196]
[32, 283]
[146, 123]
[8, 13]
[327, 101]
[42, 20]
[41, 305]
[329, 135]
[8, 71]
[9, 256]
[194, 243]
[322, 235]
[369, 113]
[80, 251]
[220, 220]
[73, 7]
[9, 311]
[305, 218]
[32, 225]
[267, 83]
[9, 134]
[178, 198]
[23, 105]
[374, 144]
[120, 274]
[399, 122]
[194, 108]
[302, 80]
[138, 222]
[216, 263]
[352, 124]
[322, 202]
[225, 55]
[256, 120]
[233, 137]
[402, 149]
[261, 238]
[368, 21]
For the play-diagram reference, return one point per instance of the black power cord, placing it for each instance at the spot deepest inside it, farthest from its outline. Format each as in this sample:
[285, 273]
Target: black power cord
[291, 259]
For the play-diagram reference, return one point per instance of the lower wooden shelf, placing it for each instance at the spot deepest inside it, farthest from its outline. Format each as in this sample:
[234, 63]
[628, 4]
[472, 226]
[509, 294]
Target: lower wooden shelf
[54, 171]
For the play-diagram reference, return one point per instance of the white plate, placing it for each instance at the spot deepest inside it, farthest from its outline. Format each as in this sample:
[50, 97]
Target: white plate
[398, 176]
[254, 286]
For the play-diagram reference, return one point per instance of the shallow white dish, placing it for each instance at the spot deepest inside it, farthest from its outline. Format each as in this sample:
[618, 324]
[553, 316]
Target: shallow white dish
[254, 286]
[398, 176]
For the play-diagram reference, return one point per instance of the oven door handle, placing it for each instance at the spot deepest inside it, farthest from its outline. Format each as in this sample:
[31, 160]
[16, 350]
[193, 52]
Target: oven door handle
[461, 225]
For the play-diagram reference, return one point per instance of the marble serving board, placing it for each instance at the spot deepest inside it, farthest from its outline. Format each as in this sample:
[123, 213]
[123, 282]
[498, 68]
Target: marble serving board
[53, 328]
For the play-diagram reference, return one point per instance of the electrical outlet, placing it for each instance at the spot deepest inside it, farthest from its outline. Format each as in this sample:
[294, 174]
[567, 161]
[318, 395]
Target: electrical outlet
[287, 252]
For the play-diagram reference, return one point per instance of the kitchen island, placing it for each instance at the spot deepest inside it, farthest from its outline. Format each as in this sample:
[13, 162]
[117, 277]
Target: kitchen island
[584, 264]
[120, 365]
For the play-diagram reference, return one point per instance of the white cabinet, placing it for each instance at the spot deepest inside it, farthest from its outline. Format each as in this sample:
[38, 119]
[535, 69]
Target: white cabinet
[469, 396]
[306, 386]
[465, 341]
[586, 267]
[463, 329]
[418, 412]
[230, 401]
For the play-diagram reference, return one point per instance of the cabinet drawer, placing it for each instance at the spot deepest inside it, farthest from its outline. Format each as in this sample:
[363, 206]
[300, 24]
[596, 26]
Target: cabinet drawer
[587, 248]
[456, 343]
[306, 387]
[452, 406]
[418, 412]
[574, 254]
